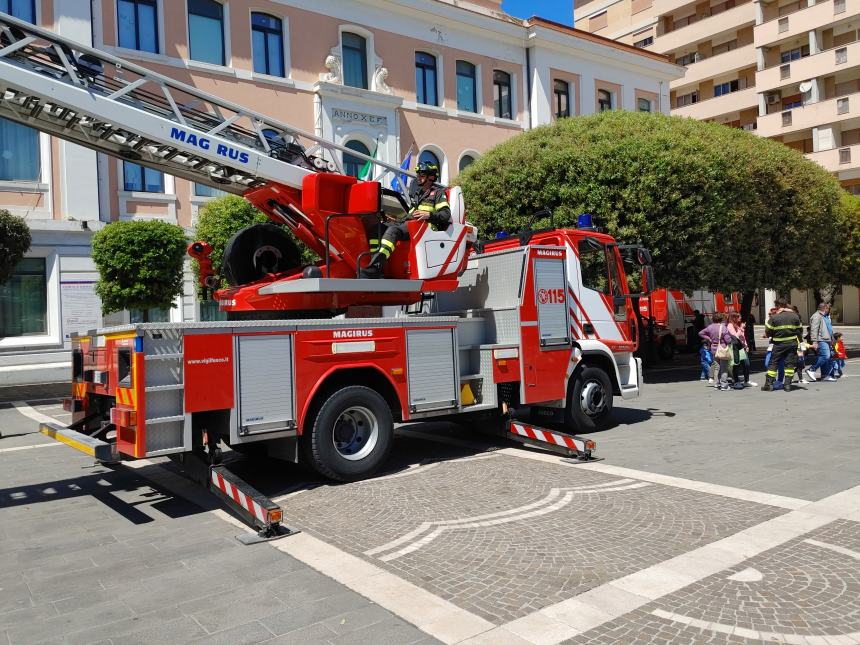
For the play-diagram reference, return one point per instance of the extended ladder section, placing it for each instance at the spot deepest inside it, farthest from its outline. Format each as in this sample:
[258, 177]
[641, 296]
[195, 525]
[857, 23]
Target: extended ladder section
[108, 104]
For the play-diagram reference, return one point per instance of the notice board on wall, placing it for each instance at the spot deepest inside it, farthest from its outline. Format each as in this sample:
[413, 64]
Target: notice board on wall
[81, 307]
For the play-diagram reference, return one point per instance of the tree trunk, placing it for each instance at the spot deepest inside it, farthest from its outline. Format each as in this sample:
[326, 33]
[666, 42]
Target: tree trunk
[746, 304]
[145, 312]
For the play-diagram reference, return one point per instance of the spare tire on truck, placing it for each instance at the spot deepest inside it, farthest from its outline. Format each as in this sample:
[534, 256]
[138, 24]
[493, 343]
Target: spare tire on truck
[255, 251]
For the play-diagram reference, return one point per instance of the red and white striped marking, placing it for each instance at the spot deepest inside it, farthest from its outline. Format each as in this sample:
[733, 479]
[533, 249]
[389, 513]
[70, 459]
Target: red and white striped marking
[240, 498]
[547, 437]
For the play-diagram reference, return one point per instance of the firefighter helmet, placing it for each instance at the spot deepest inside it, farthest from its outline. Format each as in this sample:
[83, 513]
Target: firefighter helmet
[428, 168]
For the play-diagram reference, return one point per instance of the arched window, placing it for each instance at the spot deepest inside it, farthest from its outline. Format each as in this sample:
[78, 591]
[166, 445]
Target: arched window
[425, 78]
[467, 92]
[354, 49]
[206, 31]
[465, 161]
[352, 165]
[604, 100]
[267, 42]
[502, 94]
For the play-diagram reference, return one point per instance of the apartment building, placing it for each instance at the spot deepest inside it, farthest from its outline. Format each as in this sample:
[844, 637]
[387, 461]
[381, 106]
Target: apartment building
[447, 79]
[785, 69]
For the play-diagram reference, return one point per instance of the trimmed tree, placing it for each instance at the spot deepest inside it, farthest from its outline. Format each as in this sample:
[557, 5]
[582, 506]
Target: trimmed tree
[139, 264]
[15, 241]
[720, 208]
[848, 241]
[222, 218]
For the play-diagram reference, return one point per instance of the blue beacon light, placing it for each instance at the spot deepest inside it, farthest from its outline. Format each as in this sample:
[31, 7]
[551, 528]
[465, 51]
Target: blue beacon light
[584, 221]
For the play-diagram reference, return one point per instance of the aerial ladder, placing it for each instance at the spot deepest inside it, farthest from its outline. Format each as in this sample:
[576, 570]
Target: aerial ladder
[89, 97]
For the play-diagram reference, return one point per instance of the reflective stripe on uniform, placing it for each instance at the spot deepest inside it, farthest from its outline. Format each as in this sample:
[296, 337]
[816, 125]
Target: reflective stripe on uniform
[388, 243]
[374, 244]
[784, 339]
[441, 205]
[778, 327]
[425, 208]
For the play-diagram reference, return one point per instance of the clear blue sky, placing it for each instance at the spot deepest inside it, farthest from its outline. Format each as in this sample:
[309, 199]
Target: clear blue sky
[557, 10]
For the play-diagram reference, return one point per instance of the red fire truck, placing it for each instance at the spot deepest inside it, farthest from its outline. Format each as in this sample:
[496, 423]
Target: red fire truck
[540, 322]
[673, 310]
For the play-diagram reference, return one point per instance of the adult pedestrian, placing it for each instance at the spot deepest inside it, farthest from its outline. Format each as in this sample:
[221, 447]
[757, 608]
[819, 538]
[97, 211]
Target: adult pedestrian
[738, 349]
[718, 336]
[749, 331]
[821, 335]
[784, 329]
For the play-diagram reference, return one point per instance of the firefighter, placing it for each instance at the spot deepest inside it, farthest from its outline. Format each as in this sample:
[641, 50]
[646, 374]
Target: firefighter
[785, 331]
[430, 204]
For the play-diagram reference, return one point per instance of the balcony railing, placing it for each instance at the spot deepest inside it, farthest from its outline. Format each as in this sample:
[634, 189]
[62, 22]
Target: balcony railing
[811, 115]
[704, 26]
[804, 19]
[821, 64]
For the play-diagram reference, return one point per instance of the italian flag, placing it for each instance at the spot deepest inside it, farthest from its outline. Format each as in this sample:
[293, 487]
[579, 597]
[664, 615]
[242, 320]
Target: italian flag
[366, 172]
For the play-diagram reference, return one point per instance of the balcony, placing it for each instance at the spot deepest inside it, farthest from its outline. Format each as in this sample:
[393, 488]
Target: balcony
[844, 160]
[720, 105]
[821, 64]
[715, 65]
[706, 28]
[804, 20]
[810, 115]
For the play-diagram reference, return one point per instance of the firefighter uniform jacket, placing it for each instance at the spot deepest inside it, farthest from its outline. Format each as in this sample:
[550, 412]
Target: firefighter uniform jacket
[784, 327]
[435, 202]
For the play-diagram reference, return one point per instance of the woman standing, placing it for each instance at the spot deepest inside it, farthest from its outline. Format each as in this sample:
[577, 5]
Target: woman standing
[718, 335]
[739, 349]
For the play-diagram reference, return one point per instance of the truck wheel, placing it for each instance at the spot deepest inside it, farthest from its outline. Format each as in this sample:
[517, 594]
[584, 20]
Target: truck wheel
[667, 348]
[590, 404]
[351, 435]
[255, 251]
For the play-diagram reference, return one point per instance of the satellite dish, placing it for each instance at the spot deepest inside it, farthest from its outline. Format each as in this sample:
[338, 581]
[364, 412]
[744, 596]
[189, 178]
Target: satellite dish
[805, 87]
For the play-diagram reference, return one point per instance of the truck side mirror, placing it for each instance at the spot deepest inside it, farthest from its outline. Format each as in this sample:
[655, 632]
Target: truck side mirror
[643, 257]
[648, 283]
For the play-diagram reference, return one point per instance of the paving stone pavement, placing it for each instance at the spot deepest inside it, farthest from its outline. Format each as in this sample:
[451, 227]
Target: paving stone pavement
[512, 545]
[96, 555]
[805, 591]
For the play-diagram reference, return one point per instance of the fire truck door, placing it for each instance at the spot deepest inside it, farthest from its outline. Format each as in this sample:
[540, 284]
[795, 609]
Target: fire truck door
[603, 311]
[546, 345]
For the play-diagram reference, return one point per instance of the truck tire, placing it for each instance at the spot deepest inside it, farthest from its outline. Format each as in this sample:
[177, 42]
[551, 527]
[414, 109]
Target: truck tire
[590, 404]
[351, 434]
[667, 348]
[255, 251]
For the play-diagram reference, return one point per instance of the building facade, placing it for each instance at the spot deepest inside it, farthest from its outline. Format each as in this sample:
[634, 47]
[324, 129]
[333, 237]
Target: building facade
[447, 80]
[785, 69]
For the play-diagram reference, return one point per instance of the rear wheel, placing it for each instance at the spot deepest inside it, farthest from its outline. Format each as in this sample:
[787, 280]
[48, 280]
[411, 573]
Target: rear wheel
[351, 435]
[590, 404]
[258, 250]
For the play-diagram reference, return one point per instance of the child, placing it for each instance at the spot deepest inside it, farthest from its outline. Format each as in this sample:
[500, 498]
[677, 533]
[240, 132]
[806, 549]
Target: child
[839, 354]
[705, 359]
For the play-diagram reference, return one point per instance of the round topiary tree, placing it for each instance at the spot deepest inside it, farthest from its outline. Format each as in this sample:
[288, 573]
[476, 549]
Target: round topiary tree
[721, 208]
[139, 264]
[222, 218]
[15, 241]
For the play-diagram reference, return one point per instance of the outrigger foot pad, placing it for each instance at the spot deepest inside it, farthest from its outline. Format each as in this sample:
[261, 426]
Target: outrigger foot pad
[275, 532]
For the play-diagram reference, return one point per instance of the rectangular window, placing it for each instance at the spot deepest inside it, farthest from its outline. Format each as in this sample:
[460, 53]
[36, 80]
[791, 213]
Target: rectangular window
[502, 102]
[561, 92]
[152, 315]
[722, 48]
[790, 105]
[786, 119]
[687, 99]
[643, 105]
[19, 152]
[784, 72]
[845, 155]
[467, 87]
[726, 88]
[206, 31]
[794, 54]
[688, 59]
[782, 25]
[425, 78]
[604, 100]
[24, 300]
[645, 42]
[838, 6]
[210, 312]
[842, 106]
[137, 24]
[202, 190]
[140, 179]
[841, 55]
[267, 42]
[20, 9]
[598, 21]
[354, 49]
